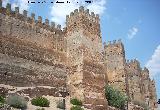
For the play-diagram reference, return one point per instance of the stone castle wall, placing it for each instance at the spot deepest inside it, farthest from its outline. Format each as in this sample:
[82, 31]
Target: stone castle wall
[32, 55]
[128, 76]
[83, 33]
[134, 80]
[28, 29]
[114, 60]
[38, 59]
[84, 53]
[94, 83]
[26, 66]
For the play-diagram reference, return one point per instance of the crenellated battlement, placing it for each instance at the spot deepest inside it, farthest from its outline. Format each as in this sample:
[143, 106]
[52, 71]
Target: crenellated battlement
[133, 67]
[83, 30]
[86, 22]
[82, 14]
[114, 47]
[134, 62]
[130, 61]
[145, 73]
[153, 82]
[145, 70]
[113, 43]
[29, 19]
[46, 34]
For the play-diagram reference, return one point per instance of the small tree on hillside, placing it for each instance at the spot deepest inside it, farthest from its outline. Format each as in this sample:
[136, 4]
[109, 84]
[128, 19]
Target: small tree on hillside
[115, 98]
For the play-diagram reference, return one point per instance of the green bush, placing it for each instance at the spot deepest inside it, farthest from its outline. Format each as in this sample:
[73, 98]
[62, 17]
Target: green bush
[17, 101]
[115, 98]
[40, 101]
[60, 104]
[76, 102]
[2, 100]
[76, 108]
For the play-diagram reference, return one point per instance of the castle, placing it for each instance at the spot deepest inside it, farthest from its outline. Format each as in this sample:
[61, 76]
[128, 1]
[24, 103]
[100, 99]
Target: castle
[39, 58]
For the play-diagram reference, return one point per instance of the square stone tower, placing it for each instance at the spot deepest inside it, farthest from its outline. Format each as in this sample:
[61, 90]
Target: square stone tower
[114, 60]
[86, 78]
[134, 80]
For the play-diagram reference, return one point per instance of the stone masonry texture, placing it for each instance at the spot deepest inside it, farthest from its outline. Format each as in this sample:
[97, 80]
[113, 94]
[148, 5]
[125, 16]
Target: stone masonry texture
[38, 59]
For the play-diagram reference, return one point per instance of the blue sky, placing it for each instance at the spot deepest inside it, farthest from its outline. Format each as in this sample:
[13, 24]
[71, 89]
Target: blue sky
[136, 22]
[140, 17]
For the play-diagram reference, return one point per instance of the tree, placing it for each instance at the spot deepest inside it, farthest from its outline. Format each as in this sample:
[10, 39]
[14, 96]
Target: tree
[115, 98]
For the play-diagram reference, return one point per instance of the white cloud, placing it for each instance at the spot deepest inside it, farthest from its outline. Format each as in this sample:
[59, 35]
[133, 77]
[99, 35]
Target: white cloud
[59, 11]
[4, 2]
[132, 32]
[22, 4]
[154, 63]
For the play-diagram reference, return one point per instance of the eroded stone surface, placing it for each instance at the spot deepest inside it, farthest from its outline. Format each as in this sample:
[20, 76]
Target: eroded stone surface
[36, 59]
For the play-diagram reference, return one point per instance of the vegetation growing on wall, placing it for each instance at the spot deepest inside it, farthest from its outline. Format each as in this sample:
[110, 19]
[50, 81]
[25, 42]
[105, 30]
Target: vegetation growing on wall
[17, 101]
[77, 104]
[115, 98]
[2, 99]
[40, 101]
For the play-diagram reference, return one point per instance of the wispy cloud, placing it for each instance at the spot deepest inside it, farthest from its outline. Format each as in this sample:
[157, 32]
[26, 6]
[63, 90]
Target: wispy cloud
[22, 4]
[59, 11]
[154, 63]
[132, 32]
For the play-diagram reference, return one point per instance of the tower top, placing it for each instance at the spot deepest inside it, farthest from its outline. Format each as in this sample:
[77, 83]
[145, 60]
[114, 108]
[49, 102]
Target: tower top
[115, 46]
[114, 42]
[80, 20]
[145, 73]
[81, 13]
